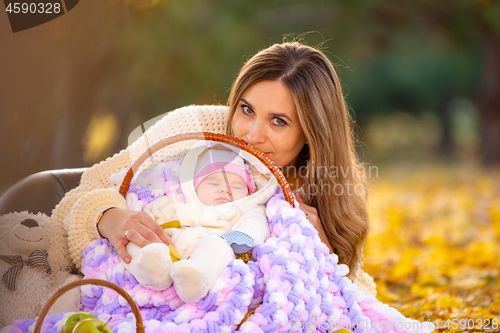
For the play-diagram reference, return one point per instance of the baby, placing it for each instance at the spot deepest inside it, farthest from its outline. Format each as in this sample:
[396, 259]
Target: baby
[223, 214]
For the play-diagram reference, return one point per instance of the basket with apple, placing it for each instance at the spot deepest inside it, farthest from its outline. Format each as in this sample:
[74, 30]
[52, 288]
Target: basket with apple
[326, 294]
[85, 322]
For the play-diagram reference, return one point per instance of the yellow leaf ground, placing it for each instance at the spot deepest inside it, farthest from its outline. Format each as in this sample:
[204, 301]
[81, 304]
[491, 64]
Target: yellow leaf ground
[434, 246]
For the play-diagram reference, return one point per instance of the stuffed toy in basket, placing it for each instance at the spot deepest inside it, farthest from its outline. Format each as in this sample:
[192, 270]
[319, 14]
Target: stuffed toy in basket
[291, 284]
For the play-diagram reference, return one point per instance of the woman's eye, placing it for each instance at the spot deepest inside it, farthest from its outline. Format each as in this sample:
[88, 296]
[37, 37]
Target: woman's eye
[279, 122]
[246, 109]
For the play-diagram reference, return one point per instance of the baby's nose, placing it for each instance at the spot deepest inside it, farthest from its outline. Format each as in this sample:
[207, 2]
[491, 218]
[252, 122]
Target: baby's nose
[224, 190]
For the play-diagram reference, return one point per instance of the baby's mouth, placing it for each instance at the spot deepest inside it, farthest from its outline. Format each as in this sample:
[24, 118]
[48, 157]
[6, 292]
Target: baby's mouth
[223, 199]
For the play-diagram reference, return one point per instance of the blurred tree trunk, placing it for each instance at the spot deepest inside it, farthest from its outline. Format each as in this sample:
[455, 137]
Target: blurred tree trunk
[489, 101]
[446, 147]
[89, 79]
[83, 81]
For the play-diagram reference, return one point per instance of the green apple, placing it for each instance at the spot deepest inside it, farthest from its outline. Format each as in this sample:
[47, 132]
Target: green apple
[91, 325]
[74, 319]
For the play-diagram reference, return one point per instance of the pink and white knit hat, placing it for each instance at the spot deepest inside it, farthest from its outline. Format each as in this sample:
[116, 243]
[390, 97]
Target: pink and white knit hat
[215, 160]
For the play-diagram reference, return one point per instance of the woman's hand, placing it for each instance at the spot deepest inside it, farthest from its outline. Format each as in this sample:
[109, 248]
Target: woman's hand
[312, 216]
[121, 226]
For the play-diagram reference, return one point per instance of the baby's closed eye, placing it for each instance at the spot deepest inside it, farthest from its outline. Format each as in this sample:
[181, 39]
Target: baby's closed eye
[239, 188]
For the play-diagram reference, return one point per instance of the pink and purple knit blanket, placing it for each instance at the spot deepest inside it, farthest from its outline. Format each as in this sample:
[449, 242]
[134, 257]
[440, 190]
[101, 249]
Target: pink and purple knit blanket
[293, 285]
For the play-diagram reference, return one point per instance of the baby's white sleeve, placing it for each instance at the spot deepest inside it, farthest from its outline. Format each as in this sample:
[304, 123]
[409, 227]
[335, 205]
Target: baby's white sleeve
[254, 223]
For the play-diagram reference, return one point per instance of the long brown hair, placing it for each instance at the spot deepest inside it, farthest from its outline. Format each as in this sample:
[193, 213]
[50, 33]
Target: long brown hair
[332, 169]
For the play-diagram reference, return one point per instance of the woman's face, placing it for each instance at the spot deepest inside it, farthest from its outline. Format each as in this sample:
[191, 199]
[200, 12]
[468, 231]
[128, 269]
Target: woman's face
[266, 118]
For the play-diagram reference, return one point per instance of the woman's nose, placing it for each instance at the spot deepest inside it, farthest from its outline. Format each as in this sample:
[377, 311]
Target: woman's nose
[256, 134]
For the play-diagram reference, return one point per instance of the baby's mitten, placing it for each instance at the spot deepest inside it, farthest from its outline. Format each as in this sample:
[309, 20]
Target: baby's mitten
[239, 241]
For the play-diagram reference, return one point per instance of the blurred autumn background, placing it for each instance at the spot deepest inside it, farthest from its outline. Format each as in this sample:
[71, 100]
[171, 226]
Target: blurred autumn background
[422, 79]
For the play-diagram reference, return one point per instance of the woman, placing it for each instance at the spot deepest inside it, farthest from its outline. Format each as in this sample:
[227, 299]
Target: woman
[287, 101]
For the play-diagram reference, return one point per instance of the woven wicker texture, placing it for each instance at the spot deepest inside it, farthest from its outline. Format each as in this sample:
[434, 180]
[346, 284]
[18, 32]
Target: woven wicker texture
[209, 136]
[104, 283]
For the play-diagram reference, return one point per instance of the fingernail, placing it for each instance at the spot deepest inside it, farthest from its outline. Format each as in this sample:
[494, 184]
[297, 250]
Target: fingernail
[127, 260]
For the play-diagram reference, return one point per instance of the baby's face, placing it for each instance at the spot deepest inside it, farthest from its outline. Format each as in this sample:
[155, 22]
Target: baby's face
[215, 190]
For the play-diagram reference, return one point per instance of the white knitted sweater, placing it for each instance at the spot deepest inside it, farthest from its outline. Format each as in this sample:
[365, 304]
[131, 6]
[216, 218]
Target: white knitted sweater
[79, 209]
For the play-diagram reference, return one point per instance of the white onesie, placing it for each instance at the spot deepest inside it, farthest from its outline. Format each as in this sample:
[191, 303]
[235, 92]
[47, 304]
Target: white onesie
[204, 254]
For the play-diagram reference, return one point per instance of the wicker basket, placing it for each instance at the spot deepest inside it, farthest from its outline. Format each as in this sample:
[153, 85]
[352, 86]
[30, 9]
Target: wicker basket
[74, 284]
[209, 136]
[241, 144]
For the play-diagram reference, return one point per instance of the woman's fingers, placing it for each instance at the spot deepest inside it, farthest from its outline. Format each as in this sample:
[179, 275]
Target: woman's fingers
[112, 226]
[139, 231]
[141, 235]
[159, 234]
[139, 228]
[121, 250]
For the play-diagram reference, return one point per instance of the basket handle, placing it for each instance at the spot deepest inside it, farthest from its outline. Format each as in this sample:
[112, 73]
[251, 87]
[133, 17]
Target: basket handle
[139, 324]
[209, 136]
